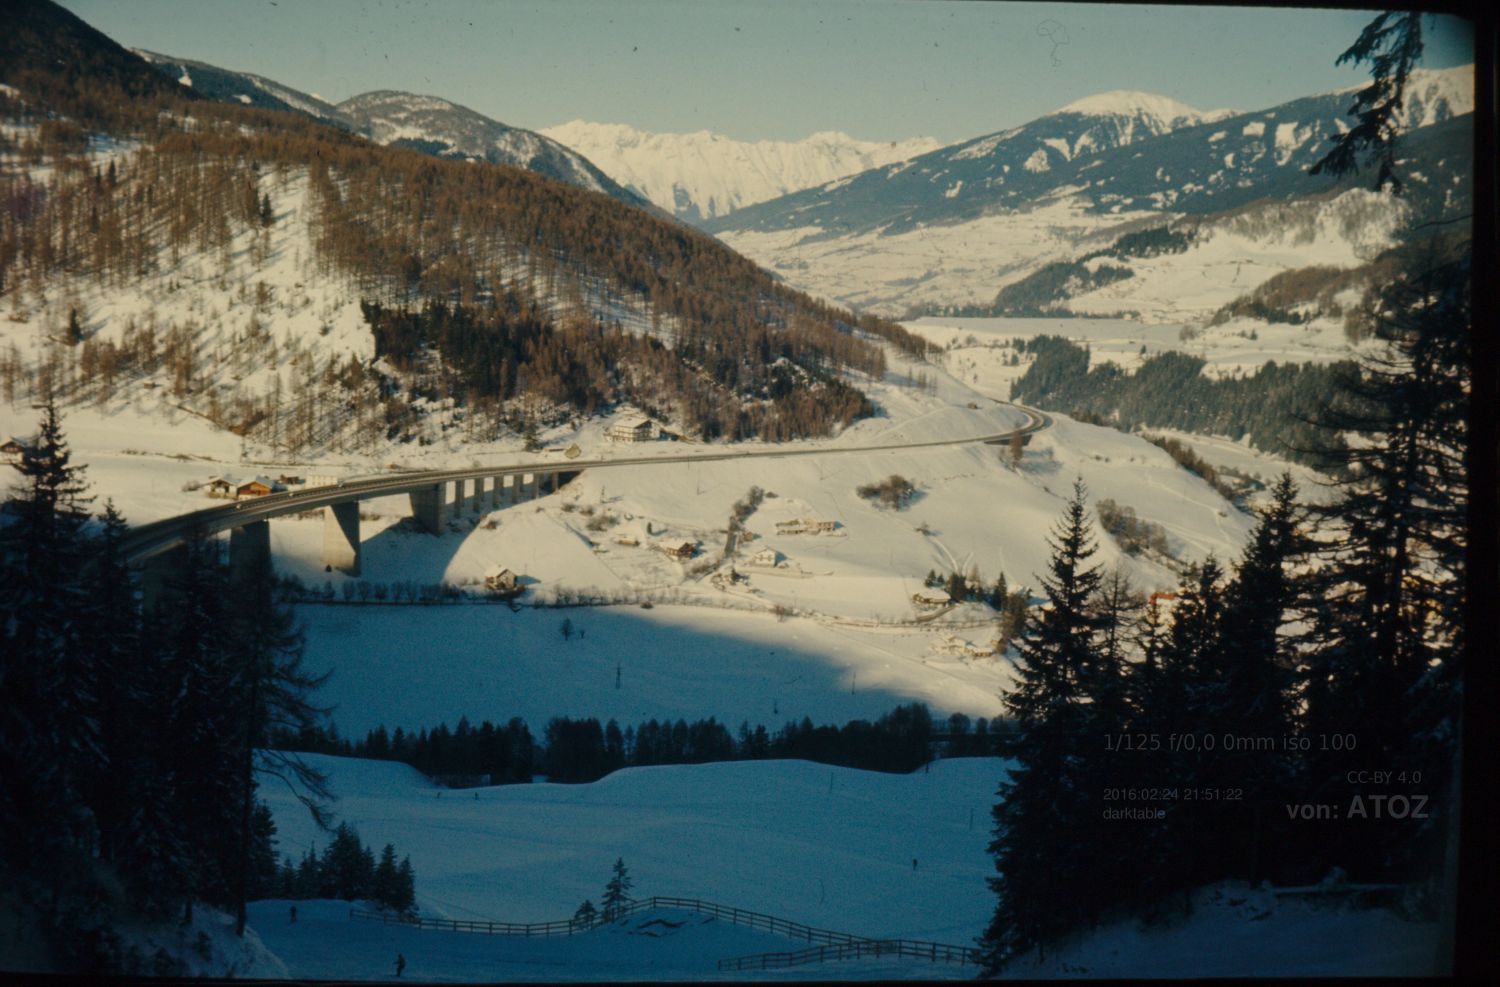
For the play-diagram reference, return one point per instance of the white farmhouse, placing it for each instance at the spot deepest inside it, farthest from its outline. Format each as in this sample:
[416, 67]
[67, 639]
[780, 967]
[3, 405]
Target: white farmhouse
[632, 428]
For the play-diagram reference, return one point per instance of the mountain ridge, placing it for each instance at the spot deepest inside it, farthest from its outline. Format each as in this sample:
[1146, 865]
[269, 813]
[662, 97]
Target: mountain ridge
[705, 174]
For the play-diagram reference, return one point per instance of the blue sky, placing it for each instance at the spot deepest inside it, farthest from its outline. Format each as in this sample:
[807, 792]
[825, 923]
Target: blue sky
[769, 69]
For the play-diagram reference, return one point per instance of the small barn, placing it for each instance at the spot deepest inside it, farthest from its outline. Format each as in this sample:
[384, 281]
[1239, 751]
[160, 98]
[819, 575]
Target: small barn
[818, 524]
[219, 486]
[790, 527]
[502, 580]
[12, 449]
[632, 428]
[931, 599]
[258, 487]
[679, 550]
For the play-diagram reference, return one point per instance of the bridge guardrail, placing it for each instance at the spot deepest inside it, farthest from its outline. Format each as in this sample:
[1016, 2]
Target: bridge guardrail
[147, 539]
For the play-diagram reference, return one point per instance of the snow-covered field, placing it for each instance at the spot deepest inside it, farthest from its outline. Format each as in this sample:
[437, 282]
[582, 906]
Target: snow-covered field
[979, 349]
[967, 263]
[1235, 931]
[832, 848]
[664, 945]
[957, 264]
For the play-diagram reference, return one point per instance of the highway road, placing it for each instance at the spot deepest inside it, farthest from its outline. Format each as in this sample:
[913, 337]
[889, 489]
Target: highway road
[158, 536]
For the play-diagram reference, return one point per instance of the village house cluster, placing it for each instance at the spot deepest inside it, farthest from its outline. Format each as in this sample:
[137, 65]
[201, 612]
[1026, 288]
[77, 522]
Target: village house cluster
[228, 488]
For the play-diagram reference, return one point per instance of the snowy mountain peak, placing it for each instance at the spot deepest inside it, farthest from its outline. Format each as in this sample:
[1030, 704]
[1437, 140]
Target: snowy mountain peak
[447, 129]
[1132, 103]
[703, 175]
[1435, 95]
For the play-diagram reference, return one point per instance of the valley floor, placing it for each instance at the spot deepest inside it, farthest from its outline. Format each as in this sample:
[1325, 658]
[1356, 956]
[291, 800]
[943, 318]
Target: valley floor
[871, 854]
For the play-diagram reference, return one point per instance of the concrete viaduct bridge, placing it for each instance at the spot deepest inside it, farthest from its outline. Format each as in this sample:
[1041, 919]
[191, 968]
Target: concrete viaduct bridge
[159, 545]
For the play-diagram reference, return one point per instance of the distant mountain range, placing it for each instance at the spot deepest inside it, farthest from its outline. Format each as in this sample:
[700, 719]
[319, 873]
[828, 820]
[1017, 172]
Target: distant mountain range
[703, 176]
[1120, 150]
[952, 227]
[425, 123]
[910, 225]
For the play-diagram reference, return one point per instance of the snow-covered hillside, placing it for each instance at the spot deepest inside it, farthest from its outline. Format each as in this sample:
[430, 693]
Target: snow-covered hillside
[831, 634]
[967, 263]
[245, 88]
[1237, 931]
[704, 175]
[952, 227]
[875, 855]
[824, 846]
[446, 129]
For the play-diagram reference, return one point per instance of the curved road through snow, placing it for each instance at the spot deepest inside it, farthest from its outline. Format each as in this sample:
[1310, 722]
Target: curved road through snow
[158, 536]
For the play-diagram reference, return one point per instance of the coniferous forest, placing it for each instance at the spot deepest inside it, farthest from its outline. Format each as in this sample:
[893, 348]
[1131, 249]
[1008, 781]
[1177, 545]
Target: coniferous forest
[1219, 732]
[133, 741]
[494, 282]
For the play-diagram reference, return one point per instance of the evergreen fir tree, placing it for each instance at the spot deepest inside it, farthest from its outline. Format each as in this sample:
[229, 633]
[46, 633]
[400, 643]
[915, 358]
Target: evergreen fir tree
[197, 728]
[616, 891]
[116, 676]
[405, 900]
[1259, 661]
[272, 690]
[1387, 638]
[47, 735]
[1189, 693]
[1392, 43]
[1045, 882]
[386, 888]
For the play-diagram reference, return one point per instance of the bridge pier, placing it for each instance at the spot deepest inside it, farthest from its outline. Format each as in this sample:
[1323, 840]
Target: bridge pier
[340, 537]
[427, 508]
[536, 486]
[249, 550]
[158, 573]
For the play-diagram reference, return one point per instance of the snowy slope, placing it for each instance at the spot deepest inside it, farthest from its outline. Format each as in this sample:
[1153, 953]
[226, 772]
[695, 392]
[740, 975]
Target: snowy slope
[965, 180]
[705, 175]
[1235, 931]
[851, 650]
[1160, 113]
[851, 647]
[833, 848]
[445, 129]
[952, 227]
[824, 846]
[246, 88]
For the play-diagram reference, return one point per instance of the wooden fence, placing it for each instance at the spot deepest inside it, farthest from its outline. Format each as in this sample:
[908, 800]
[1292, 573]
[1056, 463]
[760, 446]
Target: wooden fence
[934, 952]
[568, 927]
[831, 945]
